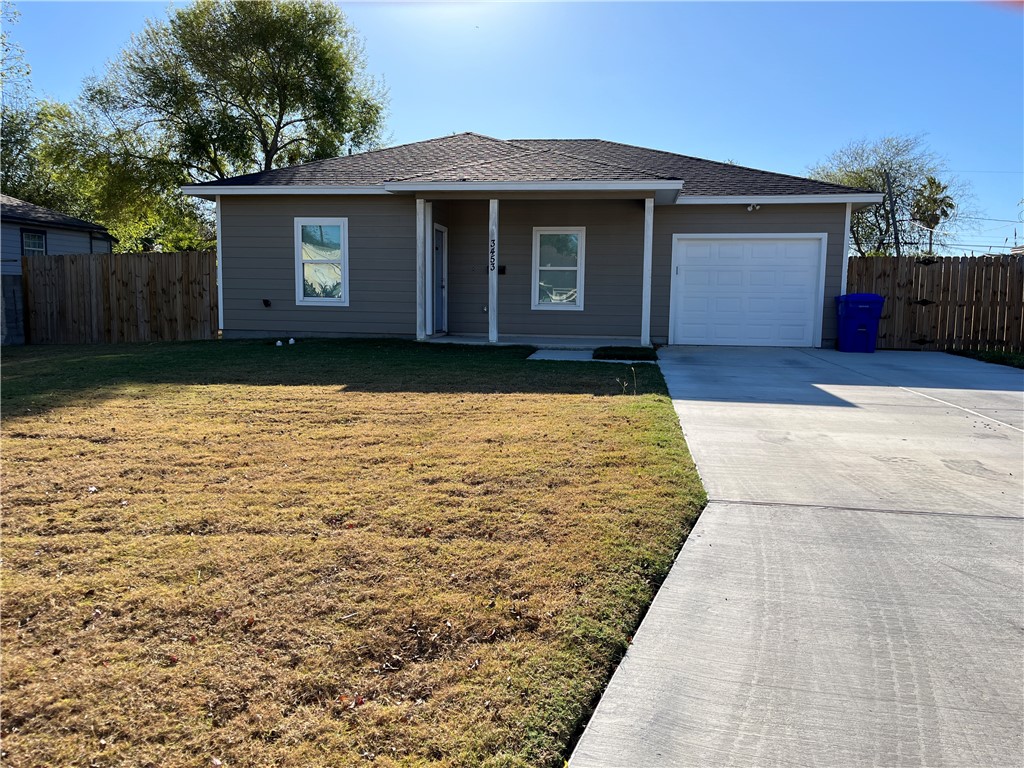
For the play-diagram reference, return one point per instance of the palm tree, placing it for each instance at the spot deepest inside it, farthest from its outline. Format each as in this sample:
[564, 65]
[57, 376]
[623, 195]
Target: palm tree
[932, 205]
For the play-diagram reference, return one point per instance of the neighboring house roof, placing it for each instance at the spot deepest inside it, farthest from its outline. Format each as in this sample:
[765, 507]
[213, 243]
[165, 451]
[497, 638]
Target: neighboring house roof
[472, 158]
[15, 210]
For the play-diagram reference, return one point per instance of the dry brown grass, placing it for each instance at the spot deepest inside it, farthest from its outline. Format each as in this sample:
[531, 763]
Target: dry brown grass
[324, 555]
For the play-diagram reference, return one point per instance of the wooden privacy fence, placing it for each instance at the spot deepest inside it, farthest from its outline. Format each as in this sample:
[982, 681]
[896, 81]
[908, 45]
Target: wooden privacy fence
[967, 302]
[96, 298]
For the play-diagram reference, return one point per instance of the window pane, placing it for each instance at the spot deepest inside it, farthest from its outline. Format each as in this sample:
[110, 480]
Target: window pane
[33, 243]
[321, 242]
[557, 286]
[321, 281]
[559, 250]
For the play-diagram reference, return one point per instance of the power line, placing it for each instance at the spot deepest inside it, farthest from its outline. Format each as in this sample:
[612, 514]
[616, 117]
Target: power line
[975, 245]
[916, 223]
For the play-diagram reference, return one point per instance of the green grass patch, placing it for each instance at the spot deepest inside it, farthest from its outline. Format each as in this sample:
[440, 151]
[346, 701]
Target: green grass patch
[625, 353]
[326, 553]
[1012, 359]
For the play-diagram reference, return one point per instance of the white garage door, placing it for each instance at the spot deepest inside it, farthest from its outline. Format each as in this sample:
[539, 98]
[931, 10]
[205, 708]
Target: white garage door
[752, 290]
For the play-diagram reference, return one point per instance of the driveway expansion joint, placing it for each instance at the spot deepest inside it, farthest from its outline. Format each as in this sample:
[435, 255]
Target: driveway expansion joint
[880, 510]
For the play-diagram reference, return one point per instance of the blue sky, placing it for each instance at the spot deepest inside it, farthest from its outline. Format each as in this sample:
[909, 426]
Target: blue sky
[770, 85]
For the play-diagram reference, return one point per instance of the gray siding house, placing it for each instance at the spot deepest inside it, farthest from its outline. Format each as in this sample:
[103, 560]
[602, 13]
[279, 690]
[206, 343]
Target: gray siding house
[27, 230]
[495, 240]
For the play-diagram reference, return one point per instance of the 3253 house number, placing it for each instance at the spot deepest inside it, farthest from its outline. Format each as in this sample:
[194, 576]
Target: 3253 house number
[492, 258]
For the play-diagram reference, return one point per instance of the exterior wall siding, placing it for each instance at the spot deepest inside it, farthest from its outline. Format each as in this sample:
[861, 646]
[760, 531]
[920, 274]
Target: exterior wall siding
[10, 249]
[66, 241]
[613, 268]
[467, 266]
[258, 251]
[723, 219]
[57, 241]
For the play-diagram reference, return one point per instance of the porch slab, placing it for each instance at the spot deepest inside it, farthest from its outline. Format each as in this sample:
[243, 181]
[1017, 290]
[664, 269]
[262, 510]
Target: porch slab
[580, 355]
[542, 342]
[569, 355]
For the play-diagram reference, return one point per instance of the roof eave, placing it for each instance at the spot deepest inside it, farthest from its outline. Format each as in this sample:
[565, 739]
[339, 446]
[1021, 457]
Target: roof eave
[531, 186]
[14, 218]
[212, 191]
[660, 187]
[856, 198]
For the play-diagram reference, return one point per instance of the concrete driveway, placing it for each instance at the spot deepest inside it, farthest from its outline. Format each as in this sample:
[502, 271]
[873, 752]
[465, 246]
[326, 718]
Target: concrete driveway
[852, 595]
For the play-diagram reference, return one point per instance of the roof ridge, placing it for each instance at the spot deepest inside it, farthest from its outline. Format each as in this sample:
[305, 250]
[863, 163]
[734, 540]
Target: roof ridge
[397, 146]
[546, 150]
[616, 165]
[653, 172]
[482, 136]
[474, 164]
[466, 165]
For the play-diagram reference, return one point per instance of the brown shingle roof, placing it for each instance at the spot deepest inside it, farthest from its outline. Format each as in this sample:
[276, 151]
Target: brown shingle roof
[473, 157]
[700, 176]
[537, 165]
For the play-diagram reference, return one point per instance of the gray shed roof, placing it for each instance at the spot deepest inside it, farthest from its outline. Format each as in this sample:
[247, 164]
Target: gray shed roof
[15, 210]
[471, 157]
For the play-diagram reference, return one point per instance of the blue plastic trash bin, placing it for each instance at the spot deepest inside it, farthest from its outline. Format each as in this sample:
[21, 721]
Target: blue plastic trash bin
[858, 321]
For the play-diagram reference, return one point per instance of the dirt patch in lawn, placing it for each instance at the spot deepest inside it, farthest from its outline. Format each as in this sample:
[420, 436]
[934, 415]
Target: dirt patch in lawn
[326, 554]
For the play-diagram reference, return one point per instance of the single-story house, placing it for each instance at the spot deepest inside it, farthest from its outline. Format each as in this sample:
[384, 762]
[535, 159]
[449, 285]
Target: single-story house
[27, 230]
[533, 239]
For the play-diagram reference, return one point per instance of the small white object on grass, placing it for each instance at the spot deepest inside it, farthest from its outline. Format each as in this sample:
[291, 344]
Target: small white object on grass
[291, 341]
[279, 343]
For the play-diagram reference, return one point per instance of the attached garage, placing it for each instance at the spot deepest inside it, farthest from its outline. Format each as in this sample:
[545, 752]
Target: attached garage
[747, 290]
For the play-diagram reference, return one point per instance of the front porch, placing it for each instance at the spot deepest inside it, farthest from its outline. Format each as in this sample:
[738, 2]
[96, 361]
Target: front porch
[556, 272]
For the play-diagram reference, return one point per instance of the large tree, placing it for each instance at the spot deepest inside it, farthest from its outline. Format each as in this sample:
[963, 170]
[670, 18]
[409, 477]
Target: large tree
[56, 155]
[64, 157]
[898, 167]
[223, 87]
[14, 71]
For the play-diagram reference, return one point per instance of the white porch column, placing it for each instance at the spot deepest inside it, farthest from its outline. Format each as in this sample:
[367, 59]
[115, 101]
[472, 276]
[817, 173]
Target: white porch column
[220, 269]
[421, 270]
[645, 316]
[492, 273]
[428, 287]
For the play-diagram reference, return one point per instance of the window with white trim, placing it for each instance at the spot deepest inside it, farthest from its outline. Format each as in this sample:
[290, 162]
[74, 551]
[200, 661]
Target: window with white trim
[558, 256]
[321, 261]
[33, 243]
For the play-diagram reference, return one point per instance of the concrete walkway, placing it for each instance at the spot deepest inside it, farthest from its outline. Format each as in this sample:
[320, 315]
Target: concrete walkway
[580, 356]
[853, 593]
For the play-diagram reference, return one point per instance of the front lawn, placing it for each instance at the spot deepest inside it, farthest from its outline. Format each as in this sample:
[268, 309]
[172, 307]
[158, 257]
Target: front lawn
[333, 553]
